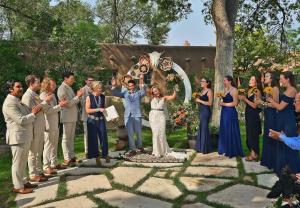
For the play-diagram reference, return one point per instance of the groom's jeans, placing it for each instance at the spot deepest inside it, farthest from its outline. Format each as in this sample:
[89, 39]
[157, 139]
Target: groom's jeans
[134, 125]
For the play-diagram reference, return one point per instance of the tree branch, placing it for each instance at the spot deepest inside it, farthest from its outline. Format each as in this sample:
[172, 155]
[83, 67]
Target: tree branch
[17, 11]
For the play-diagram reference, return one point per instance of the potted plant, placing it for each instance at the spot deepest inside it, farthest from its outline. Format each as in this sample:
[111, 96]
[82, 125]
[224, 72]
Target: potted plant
[214, 134]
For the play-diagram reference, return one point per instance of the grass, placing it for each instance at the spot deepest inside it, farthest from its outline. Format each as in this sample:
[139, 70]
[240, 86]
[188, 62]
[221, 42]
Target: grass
[176, 139]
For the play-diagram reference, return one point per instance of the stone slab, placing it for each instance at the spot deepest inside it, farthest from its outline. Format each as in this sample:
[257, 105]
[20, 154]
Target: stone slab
[173, 174]
[92, 163]
[77, 202]
[159, 186]
[213, 171]
[241, 196]
[173, 169]
[123, 199]
[79, 185]
[197, 205]
[82, 171]
[197, 184]
[254, 167]
[129, 176]
[160, 174]
[214, 159]
[116, 154]
[190, 198]
[267, 180]
[159, 165]
[46, 191]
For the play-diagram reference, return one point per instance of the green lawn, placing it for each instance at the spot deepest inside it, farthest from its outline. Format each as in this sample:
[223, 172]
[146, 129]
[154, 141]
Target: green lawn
[176, 139]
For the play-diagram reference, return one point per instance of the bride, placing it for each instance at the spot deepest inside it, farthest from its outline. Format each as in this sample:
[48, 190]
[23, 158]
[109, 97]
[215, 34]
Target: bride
[157, 119]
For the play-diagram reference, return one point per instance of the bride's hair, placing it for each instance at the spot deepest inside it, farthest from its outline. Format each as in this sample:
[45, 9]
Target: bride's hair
[159, 90]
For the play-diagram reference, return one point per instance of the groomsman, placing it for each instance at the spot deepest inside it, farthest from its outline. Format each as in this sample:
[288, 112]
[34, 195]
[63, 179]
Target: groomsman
[132, 115]
[19, 134]
[84, 115]
[52, 128]
[31, 99]
[69, 116]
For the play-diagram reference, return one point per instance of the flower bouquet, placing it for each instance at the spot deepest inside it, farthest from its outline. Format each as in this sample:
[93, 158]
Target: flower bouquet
[196, 95]
[252, 91]
[220, 95]
[241, 91]
[268, 91]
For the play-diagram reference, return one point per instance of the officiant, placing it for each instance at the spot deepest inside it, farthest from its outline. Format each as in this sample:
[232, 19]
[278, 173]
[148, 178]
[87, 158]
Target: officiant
[96, 126]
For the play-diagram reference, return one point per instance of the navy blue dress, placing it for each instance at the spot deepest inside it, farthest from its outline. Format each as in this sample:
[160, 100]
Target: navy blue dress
[203, 141]
[269, 150]
[286, 122]
[97, 134]
[229, 133]
[253, 126]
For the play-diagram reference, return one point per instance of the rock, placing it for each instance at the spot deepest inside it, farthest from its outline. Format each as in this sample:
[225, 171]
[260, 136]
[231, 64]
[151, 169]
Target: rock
[197, 205]
[173, 174]
[241, 196]
[190, 198]
[254, 167]
[116, 154]
[162, 187]
[214, 159]
[82, 171]
[160, 174]
[267, 180]
[197, 184]
[46, 191]
[129, 176]
[248, 179]
[152, 164]
[92, 163]
[213, 171]
[77, 202]
[79, 185]
[123, 199]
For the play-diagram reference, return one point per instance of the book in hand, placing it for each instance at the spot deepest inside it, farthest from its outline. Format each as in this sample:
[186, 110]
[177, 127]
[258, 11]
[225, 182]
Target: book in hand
[111, 113]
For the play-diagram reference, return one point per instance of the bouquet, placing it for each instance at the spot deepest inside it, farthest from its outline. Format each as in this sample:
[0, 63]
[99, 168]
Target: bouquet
[196, 95]
[253, 90]
[268, 91]
[241, 91]
[220, 95]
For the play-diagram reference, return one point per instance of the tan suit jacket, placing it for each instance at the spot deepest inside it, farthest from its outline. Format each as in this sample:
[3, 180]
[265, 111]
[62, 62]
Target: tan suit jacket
[51, 114]
[70, 112]
[19, 121]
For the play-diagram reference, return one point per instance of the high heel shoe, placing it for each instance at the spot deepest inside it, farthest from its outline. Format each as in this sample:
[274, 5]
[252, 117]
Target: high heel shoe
[250, 158]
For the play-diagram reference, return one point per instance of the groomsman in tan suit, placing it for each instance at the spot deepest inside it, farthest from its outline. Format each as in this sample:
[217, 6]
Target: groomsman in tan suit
[86, 92]
[69, 116]
[31, 99]
[52, 128]
[19, 134]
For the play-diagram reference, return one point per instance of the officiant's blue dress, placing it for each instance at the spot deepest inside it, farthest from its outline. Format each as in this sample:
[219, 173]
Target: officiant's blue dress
[229, 133]
[96, 126]
[286, 122]
[203, 141]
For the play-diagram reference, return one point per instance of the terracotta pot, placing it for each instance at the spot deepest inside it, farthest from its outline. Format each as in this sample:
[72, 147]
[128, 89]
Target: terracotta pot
[122, 133]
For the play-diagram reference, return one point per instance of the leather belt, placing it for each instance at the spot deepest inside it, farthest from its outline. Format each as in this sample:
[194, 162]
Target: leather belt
[95, 118]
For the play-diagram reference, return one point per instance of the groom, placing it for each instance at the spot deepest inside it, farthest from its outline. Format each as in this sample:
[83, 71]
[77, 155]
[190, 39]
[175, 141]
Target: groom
[132, 115]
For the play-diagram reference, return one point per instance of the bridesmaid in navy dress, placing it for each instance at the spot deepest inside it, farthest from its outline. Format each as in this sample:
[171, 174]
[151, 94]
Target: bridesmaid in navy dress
[269, 150]
[286, 122]
[253, 124]
[229, 133]
[203, 142]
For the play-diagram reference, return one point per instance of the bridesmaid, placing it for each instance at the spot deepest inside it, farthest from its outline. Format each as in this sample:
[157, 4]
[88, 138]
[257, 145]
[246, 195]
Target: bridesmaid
[286, 122]
[229, 134]
[203, 143]
[269, 153]
[253, 124]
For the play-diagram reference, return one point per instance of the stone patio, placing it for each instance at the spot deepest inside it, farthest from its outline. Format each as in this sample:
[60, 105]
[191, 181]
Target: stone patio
[200, 182]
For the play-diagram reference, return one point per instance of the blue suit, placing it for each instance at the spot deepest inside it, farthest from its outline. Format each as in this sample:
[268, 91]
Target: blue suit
[132, 115]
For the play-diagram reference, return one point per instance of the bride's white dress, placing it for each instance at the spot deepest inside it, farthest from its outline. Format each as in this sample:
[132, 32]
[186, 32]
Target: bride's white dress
[157, 119]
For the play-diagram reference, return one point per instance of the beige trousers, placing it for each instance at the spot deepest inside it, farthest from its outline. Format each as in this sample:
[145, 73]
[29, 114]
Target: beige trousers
[18, 168]
[36, 152]
[50, 148]
[67, 142]
[85, 137]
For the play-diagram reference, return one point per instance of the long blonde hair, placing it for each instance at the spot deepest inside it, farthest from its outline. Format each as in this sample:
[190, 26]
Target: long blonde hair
[45, 85]
[159, 90]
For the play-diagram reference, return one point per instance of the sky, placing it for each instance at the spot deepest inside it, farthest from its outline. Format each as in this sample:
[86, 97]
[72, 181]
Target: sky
[193, 29]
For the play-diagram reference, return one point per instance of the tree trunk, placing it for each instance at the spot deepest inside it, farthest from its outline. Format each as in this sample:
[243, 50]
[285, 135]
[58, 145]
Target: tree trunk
[224, 15]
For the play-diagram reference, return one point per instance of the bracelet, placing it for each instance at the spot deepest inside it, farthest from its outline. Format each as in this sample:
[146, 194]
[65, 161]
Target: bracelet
[97, 110]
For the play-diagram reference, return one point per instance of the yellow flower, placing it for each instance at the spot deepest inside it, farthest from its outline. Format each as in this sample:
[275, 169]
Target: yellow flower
[253, 90]
[220, 94]
[268, 90]
[241, 91]
[196, 95]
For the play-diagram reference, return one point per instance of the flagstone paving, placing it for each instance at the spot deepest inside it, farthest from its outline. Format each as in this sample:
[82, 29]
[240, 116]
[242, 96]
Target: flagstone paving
[213, 171]
[79, 184]
[197, 184]
[92, 163]
[241, 196]
[44, 192]
[124, 199]
[203, 181]
[129, 176]
[162, 187]
[214, 159]
[77, 202]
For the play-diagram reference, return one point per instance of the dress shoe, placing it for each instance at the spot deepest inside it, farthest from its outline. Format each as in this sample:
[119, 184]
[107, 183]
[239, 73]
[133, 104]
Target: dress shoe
[59, 167]
[74, 159]
[67, 163]
[132, 153]
[38, 179]
[49, 172]
[276, 190]
[23, 190]
[142, 150]
[30, 185]
[107, 159]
